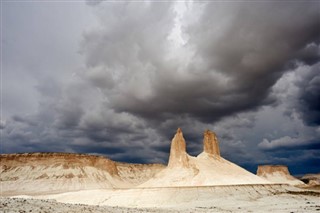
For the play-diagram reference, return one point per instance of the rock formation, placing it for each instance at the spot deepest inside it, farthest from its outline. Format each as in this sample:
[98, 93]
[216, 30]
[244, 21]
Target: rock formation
[277, 174]
[178, 153]
[311, 179]
[207, 169]
[31, 173]
[264, 170]
[135, 174]
[211, 144]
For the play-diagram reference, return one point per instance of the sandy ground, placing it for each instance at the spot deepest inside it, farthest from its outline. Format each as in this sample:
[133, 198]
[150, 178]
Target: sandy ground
[194, 199]
[21, 205]
[283, 203]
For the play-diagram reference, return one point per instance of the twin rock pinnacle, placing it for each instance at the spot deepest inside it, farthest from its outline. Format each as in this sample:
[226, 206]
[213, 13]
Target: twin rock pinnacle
[179, 155]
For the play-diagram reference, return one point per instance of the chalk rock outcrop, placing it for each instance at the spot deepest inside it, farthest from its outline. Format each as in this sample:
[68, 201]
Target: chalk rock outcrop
[311, 179]
[211, 144]
[178, 154]
[207, 169]
[31, 173]
[277, 174]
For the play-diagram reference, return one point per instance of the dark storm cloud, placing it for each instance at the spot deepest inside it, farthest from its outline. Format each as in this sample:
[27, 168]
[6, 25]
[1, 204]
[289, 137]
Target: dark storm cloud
[236, 59]
[69, 115]
[22, 137]
[298, 161]
[2, 124]
[310, 54]
[287, 143]
[98, 149]
[130, 33]
[311, 159]
[309, 97]
[24, 119]
[93, 2]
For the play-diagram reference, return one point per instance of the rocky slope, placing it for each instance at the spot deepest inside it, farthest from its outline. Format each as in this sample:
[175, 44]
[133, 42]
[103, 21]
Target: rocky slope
[207, 169]
[311, 179]
[277, 174]
[244, 198]
[22, 205]
[59, 172]
[135, 174]
[168, 197]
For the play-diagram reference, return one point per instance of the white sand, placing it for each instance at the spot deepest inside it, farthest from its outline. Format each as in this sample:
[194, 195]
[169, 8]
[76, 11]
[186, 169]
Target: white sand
[56, 179]
[250, 198]
[278, 177]
[22, 205]
[166, 197]
[278, 174]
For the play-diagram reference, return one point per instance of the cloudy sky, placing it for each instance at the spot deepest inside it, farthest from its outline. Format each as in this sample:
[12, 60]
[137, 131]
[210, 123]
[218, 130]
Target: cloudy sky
[118, 78]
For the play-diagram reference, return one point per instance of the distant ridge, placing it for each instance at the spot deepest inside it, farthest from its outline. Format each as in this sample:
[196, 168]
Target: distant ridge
[277, 174]
[31, 173]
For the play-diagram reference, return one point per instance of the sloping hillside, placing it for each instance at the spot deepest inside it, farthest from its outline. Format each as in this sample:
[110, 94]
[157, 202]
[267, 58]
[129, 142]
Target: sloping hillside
[207, 169]
[277, 174]
[60, 172]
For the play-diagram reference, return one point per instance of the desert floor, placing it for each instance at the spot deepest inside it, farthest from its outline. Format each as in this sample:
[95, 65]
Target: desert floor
[21, 205]
[183, 200]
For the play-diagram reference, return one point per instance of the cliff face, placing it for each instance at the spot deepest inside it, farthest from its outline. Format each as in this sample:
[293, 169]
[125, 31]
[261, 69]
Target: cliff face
[211, 144]
[178, 154]
[65, 160]
[138, 173]
[271, 169]
[59, 172]
[277, 174]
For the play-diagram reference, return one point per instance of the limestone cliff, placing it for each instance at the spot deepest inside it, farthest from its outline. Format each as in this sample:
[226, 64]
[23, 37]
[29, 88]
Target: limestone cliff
[31, 173]
[178, 155]
[277, 174]
[64, 160]
[211, 144]
[270, 169]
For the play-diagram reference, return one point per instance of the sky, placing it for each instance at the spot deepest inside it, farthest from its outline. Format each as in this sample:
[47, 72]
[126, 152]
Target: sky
[117, 78]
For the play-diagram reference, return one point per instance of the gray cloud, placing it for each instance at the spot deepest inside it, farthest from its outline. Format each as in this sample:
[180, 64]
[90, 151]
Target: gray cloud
[288, 142]
[93, 2]
[309, 96]
[234, 62]
[2, 124]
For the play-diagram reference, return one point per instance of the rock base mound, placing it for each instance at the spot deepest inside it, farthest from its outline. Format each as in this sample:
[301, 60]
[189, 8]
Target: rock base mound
[311, 179]
[277, 174]
[207, 169]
